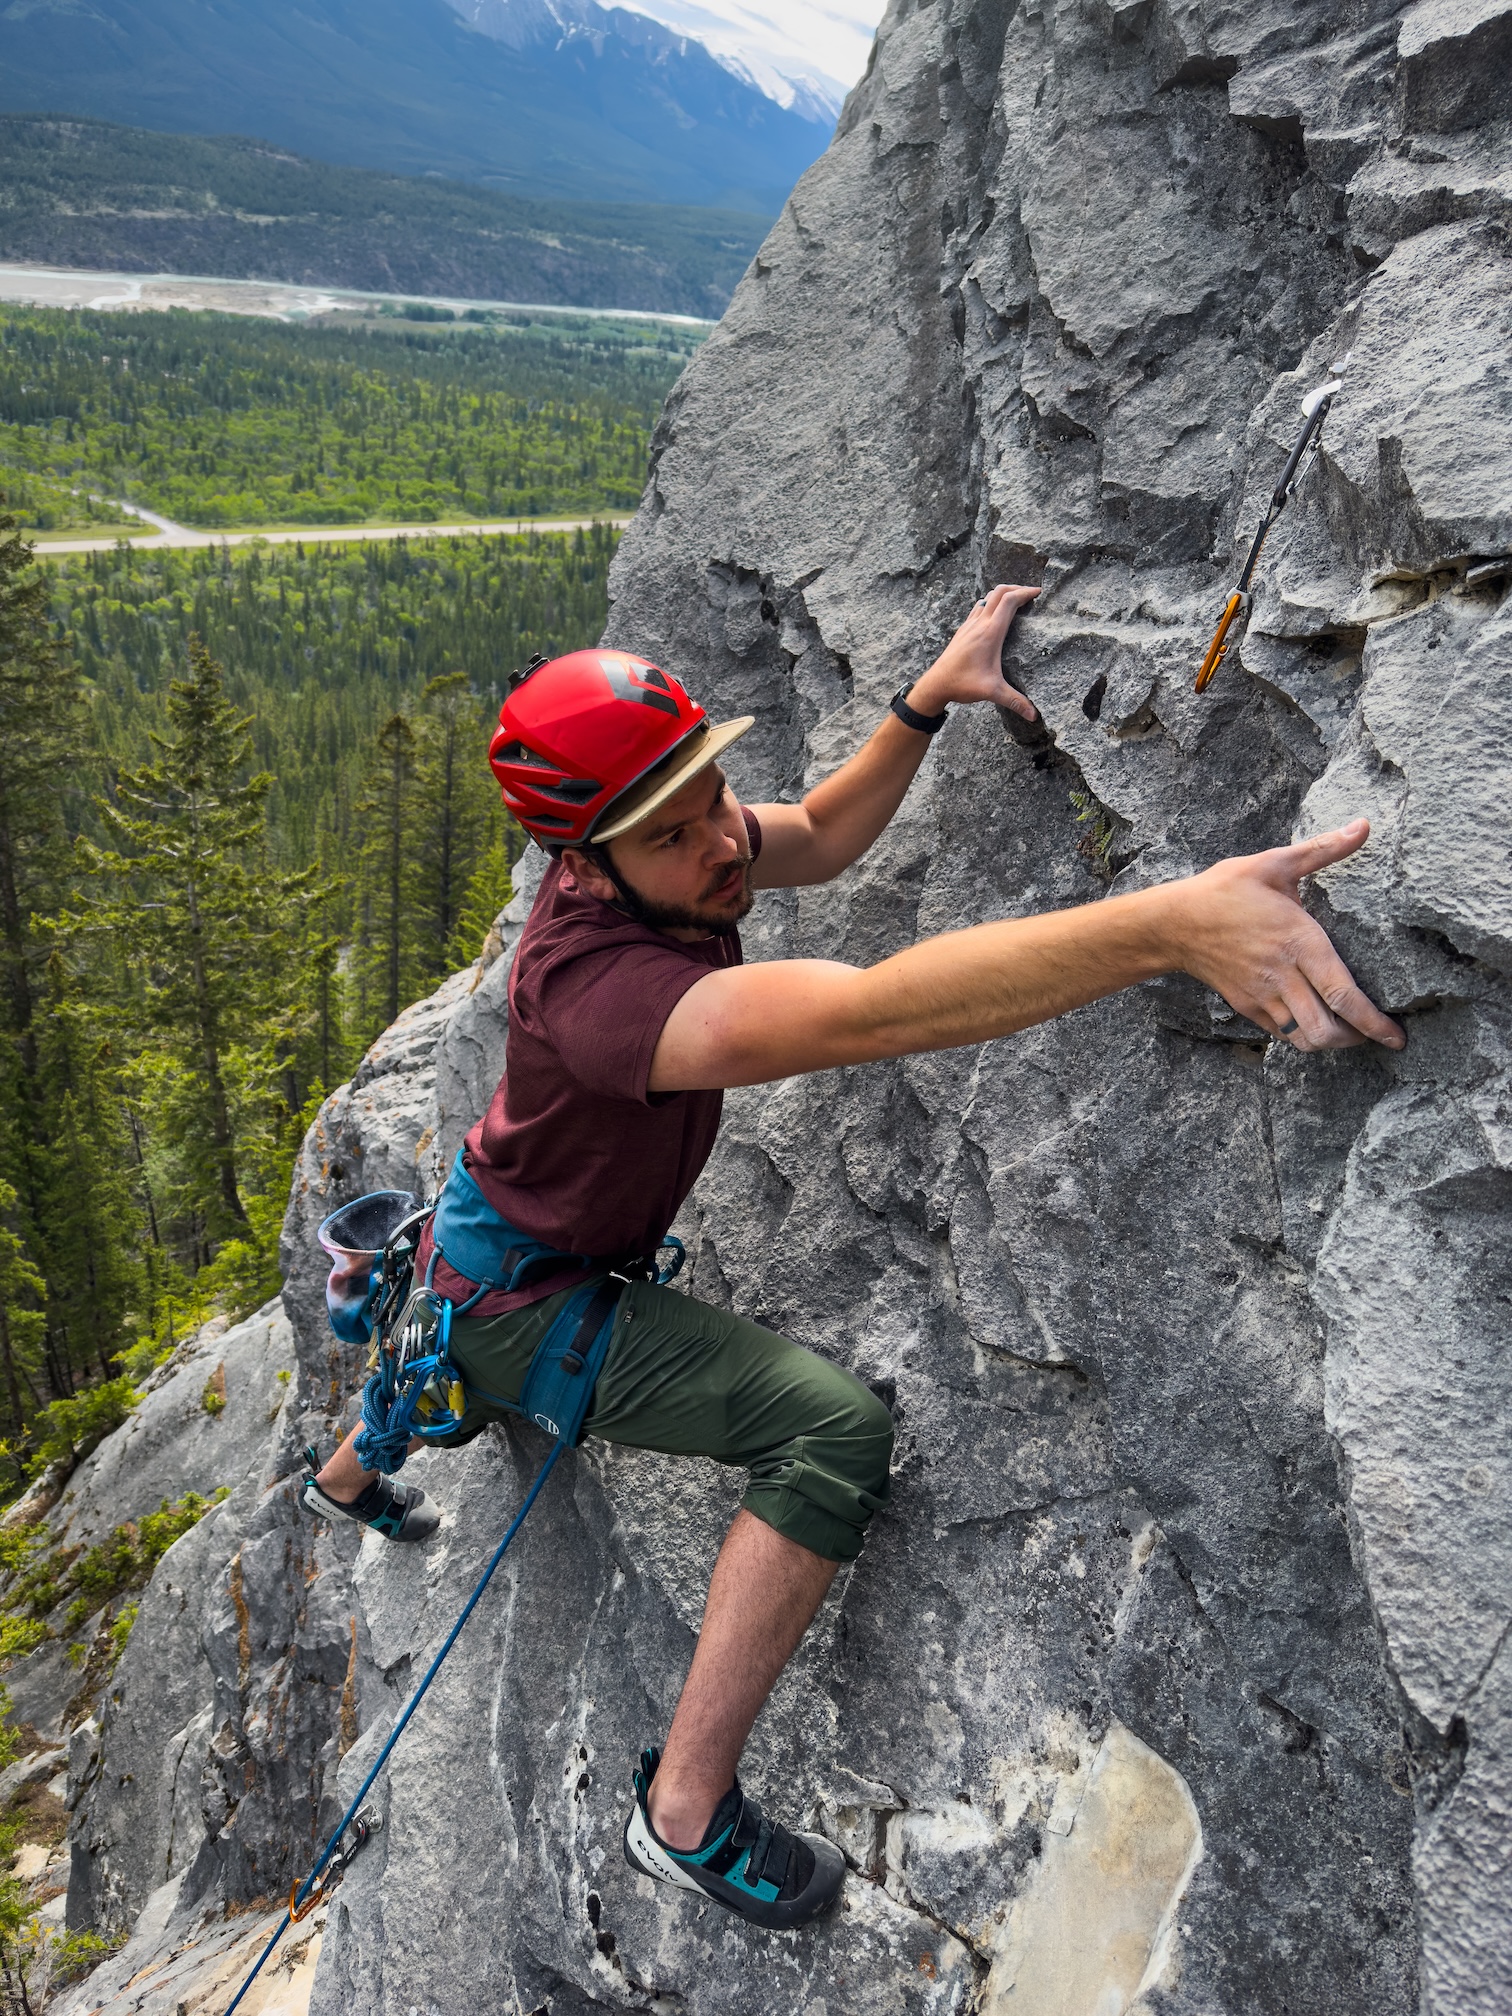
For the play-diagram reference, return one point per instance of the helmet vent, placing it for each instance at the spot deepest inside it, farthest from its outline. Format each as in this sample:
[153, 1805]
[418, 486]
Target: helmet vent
[649, 688]
[517, 752]
[571, 790]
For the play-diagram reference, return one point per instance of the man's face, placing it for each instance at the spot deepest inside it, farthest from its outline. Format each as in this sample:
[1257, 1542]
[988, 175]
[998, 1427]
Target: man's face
[689, 863]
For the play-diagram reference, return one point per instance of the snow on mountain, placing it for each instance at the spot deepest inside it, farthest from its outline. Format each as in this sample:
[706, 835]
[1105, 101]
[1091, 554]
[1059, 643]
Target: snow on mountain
[805, 54]
[802, 54]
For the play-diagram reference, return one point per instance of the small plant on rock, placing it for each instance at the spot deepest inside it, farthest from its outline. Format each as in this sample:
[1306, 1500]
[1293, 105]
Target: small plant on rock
[68, 1429]
[42, 1577]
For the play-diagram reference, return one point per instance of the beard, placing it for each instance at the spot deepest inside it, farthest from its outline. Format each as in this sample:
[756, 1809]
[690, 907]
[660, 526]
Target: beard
[708, 913]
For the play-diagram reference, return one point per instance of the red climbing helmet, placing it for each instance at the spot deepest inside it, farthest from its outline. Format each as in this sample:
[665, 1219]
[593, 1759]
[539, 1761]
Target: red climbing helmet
[589, 744]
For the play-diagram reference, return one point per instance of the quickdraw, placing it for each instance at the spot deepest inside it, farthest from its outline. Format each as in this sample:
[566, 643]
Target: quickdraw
[1314, 412]
[364, 1827]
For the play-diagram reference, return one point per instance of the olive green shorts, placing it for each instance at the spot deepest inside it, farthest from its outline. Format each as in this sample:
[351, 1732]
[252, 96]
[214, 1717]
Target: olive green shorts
[689, 1380]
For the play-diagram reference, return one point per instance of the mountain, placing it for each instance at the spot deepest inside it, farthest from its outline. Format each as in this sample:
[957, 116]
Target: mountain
[77, 192]
[582, 104]
[751, 46]
[805, 57]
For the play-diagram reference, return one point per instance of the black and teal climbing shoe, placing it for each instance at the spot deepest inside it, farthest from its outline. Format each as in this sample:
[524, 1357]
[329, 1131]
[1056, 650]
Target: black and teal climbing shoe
[397, 1511]
[746, 1862]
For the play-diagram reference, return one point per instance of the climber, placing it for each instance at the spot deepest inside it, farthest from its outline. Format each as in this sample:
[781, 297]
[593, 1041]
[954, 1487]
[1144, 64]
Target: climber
[630, 1011]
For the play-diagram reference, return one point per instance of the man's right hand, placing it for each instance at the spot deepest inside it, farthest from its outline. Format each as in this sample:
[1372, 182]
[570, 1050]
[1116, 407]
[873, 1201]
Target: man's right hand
[1239, 927]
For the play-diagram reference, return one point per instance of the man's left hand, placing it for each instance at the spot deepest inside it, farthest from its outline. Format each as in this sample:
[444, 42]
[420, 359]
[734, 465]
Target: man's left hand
[971, 665]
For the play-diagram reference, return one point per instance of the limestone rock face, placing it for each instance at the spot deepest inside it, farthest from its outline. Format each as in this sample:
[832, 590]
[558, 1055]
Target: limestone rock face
[138, 1736]
[1199, 1348]
[1176, 1679]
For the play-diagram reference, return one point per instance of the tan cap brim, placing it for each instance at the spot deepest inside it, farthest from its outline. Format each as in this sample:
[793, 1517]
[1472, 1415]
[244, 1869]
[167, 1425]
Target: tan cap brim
[689, 757]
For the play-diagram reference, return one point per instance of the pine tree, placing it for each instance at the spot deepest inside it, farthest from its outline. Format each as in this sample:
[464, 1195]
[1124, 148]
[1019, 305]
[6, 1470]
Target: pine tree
[455, 798]
[41, 733]
[22, 1291]
[387, 816]
[95, 1278]
[208, 929]
[489, 887]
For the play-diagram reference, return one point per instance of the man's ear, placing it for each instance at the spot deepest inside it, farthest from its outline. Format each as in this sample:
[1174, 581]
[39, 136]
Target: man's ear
[588, 875]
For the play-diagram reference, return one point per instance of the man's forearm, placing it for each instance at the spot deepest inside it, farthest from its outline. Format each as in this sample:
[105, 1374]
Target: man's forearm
[756, 1023]
[1238, 927]
[838, 820]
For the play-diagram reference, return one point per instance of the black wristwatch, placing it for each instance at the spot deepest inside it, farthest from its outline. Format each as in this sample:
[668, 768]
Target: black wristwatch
[927, 724]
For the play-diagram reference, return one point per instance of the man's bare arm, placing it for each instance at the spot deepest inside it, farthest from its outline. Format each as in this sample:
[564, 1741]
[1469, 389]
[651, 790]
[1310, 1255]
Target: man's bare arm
[1239, 927]
[837, 821]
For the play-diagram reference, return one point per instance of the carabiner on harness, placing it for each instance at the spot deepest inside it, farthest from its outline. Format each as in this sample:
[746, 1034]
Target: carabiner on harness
[416, 1391]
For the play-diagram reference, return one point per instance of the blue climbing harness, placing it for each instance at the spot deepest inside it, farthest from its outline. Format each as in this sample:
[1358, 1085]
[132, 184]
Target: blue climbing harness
[417, 1390]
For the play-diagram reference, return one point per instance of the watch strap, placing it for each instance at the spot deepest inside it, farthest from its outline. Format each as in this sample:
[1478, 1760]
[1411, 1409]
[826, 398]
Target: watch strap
[927, 724]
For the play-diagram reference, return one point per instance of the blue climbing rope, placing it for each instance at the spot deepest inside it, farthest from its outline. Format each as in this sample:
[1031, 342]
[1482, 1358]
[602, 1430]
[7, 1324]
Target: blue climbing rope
[307, 1888]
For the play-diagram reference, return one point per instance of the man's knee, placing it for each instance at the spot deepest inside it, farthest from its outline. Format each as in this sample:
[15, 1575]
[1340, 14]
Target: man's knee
[870, 1440]
[823, 1484]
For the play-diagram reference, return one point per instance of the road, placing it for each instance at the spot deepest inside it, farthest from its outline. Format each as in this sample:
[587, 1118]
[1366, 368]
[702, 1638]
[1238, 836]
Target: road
[180, 536]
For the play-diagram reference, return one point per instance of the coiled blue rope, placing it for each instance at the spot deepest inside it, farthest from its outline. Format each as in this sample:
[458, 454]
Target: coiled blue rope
[387, 1428]
[307, 1887]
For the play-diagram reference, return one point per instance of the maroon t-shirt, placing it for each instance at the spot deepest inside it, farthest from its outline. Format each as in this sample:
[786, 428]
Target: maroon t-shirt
[573, 1148]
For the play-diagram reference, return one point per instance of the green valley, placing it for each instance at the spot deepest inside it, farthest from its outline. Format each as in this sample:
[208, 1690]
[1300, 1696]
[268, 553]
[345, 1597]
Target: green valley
[226, 421]
[79, 192]
[246, 814]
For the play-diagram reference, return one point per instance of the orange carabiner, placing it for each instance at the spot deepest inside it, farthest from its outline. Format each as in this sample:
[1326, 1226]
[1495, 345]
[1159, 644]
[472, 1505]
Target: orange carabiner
[298, 1910]
[1219, 645]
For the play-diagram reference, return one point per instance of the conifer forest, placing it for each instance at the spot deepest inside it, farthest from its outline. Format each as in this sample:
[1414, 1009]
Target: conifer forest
[226, 421]
[246, 815]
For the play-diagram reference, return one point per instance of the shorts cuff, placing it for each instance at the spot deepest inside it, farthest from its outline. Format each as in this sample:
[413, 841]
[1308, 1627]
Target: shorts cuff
[799, 1519]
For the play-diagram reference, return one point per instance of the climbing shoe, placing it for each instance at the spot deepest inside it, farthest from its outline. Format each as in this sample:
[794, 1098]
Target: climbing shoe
[746, 1862]
[397, 1511]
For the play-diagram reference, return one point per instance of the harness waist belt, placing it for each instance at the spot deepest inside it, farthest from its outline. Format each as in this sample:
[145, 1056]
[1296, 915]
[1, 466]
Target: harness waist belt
[472, 1237]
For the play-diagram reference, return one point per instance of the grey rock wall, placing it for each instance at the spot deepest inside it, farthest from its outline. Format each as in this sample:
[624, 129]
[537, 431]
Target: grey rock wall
[1175, 1680]
[138, 1755]
[1046, 311]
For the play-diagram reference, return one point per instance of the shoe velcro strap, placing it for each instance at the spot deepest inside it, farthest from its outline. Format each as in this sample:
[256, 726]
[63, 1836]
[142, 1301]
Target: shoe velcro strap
[756, 1860]
[771, 1855]
[747, 1827]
